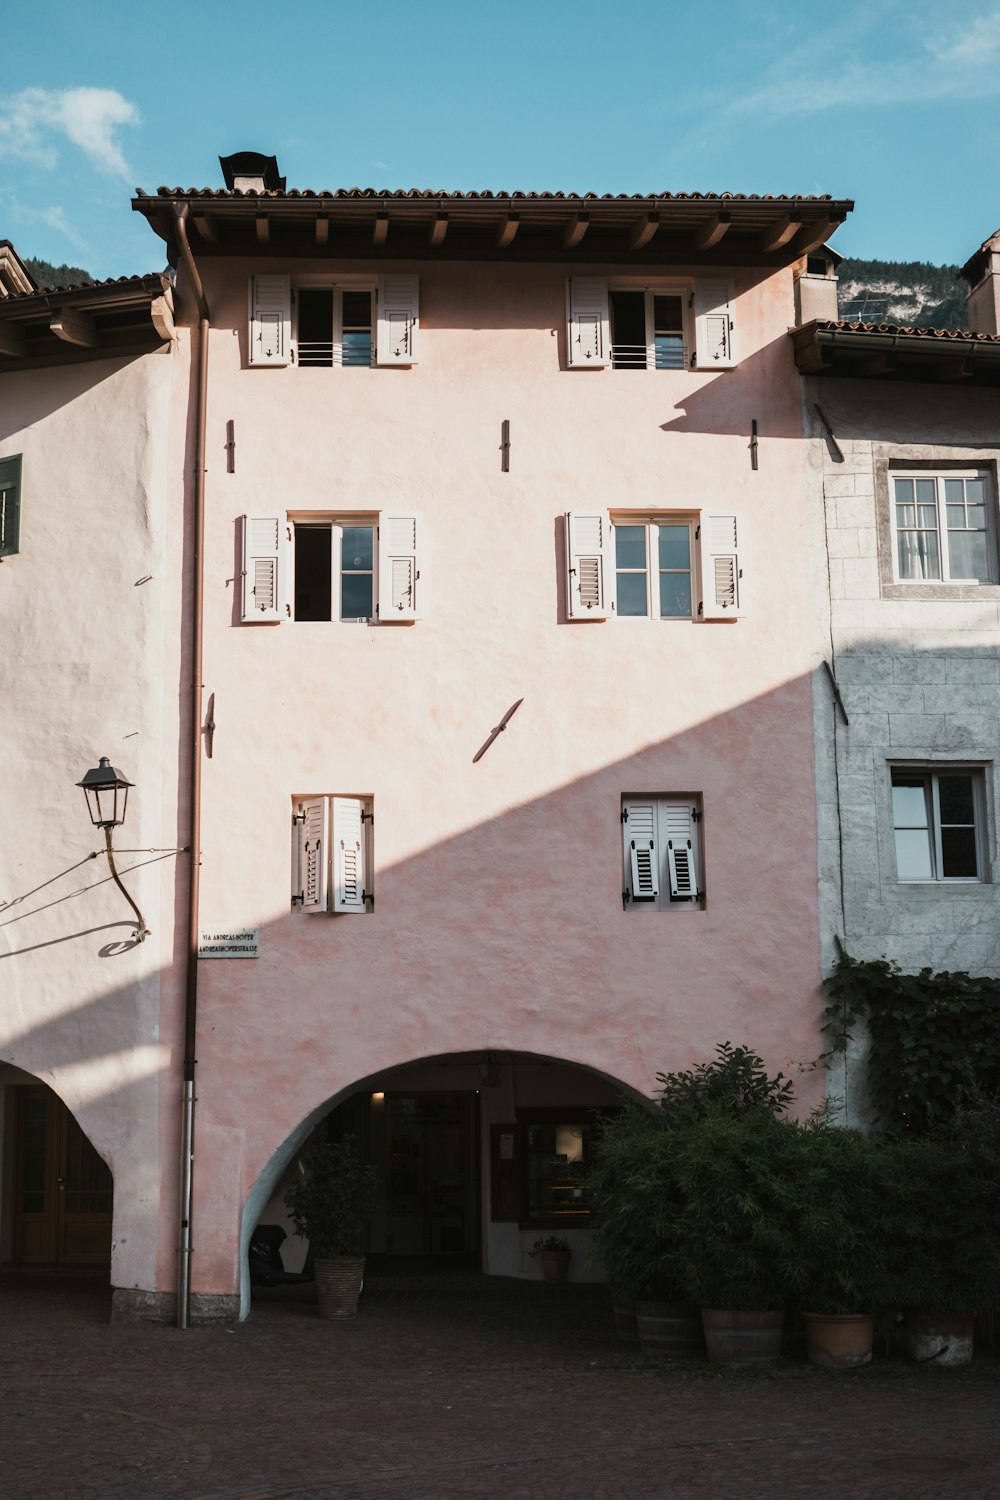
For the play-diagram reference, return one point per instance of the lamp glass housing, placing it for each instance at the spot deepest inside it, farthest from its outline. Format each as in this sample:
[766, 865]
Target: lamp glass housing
[106, 791]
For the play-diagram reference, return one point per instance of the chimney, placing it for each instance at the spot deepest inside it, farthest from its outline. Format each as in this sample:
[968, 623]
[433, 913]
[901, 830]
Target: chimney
[816, 287]
[250, 172]
[982, 272]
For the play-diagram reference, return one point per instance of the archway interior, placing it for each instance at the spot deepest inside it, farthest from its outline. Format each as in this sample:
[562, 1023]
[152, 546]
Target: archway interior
[56, 1192]
[479, 1156]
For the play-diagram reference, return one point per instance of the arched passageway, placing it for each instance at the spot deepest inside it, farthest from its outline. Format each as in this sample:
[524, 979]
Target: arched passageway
[56, 1192]
[479, 1156]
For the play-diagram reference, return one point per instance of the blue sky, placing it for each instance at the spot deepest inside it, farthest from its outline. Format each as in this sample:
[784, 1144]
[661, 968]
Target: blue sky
[896, 105]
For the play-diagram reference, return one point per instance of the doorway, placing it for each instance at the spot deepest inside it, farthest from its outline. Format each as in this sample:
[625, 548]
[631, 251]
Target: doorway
[431, 1177]
[63, 1191]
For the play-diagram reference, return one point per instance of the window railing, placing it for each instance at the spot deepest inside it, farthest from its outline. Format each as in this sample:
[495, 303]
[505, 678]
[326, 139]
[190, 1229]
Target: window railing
[355, 351]
[665, 353]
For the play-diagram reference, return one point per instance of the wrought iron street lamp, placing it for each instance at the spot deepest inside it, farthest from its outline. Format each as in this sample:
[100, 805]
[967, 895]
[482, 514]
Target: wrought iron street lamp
[106, 791]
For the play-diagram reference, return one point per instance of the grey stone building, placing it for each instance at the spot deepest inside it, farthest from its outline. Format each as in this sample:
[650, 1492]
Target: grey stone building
[903, 433]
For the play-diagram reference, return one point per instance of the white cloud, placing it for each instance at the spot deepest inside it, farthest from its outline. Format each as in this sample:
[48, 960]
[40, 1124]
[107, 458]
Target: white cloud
[55, 218]
[32, 121]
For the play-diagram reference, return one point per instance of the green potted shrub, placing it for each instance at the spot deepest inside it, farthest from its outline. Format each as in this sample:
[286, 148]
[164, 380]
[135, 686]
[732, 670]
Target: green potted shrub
[635, 1203]
[946, 1235]
[738, 1254]
[845, 1196]
[330, 1205]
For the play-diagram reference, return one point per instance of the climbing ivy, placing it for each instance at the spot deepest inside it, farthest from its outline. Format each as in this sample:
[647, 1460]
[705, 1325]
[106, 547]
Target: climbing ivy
[933, 1036]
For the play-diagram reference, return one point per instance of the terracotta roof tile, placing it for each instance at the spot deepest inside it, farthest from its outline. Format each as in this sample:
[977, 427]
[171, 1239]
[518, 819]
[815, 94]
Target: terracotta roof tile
[488, 195]
[898, 329]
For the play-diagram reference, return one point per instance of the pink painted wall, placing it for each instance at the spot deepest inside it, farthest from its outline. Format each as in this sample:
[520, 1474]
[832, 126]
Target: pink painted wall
[498, 919]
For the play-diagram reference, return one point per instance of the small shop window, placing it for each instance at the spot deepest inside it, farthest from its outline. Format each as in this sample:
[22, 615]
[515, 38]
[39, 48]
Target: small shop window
[557, 1159]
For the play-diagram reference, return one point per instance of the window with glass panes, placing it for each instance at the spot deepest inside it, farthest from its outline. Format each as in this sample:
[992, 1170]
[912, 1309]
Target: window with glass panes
[654, 568]
[334, 572]
[944, 528]
[937, 818]
[334, 326]
[647, 330]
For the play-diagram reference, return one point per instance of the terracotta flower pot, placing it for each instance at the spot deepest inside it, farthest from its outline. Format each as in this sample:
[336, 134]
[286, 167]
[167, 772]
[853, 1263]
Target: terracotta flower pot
[338, 1285]
[555, 1265]
[736, 1337]
[840, 1341]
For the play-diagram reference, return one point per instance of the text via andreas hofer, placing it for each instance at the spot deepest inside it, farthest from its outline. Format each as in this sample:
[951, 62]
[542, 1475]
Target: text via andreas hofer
[235, 942]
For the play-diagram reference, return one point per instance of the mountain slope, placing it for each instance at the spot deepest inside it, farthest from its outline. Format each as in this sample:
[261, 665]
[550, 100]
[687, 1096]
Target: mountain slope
[913, 293]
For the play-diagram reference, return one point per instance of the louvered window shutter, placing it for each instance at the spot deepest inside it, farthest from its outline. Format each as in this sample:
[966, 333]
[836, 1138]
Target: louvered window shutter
[270, 320]
[313, 854]
[641, 850]
[589, 338]
[263, 546]
[713, 325]
[10, 505]
[349, 864]
[681, 833]
[586, 551]
[721, 570]
[398, 320]
[398, 567]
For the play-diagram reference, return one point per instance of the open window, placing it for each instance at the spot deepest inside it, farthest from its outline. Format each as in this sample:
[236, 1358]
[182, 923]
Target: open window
[10, 505]
[319, 323]
[345, 569]
[626, 325]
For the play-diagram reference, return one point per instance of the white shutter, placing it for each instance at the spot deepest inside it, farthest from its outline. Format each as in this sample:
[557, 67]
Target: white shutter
[270, 320]
[349, 871]
[589, 339]
[263, 580]
[398, 318]
[398, 570]
[713, 325]
[721, 572]
[680, 831]
[641, 853]
[313, 854]
[586, 551]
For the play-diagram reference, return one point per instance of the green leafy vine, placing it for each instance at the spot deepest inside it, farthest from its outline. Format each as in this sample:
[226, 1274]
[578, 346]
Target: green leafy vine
[933, 1036]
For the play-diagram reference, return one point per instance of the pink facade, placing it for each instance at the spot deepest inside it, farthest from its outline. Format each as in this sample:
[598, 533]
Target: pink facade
[498, 925]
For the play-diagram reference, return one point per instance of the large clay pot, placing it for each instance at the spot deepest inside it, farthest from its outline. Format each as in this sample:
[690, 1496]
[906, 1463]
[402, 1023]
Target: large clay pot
[940, 1338]
[555, 1265]
[734, 1337]
[625, 1319]
[669, 1329]
[338, 1285]
[839, 1341]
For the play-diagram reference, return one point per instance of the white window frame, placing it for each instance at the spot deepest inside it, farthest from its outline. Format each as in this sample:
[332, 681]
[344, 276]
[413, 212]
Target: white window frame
[946, 576]
[650, 291]
[274, 317]
[930, 774]
[651, 524]
[397, 589]
[336, 524]
[649, 817]
[338, 287]
[327, 816]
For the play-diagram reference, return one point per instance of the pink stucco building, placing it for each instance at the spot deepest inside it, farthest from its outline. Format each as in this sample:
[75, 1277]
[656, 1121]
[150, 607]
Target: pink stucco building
[437, 464]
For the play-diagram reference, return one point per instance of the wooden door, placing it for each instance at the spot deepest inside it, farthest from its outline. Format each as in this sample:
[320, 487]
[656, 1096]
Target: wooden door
[62, 1188]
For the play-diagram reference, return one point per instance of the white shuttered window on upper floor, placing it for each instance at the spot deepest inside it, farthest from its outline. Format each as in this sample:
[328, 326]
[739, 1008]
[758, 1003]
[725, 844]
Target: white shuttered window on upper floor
[315, 322]
[661, 850]
[345, 569]
[333, 854]
[665, 565]
[662, 325]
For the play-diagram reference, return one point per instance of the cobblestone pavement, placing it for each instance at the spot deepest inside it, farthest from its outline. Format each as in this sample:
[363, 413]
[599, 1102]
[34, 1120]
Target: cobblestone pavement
[458, 1390]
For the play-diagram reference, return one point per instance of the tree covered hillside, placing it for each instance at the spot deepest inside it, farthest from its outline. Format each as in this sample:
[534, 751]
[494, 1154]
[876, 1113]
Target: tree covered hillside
[913, 293]
[48, 275]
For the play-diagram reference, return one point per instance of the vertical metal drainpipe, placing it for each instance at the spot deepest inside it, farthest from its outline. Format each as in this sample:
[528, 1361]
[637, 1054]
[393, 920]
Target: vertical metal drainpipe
[194, 888]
